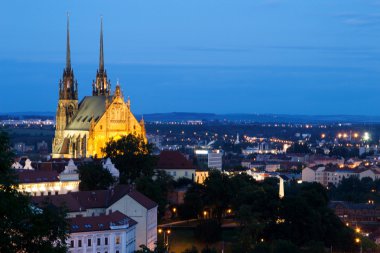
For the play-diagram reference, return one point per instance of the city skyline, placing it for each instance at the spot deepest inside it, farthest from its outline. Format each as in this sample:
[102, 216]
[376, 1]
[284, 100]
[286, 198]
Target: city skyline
[279, 57]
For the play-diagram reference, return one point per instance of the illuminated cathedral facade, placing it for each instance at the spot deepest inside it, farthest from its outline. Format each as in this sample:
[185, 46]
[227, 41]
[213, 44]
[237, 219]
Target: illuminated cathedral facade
[84, 128]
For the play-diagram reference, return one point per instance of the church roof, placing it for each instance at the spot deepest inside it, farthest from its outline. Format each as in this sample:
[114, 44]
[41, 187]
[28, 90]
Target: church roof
[91, 107]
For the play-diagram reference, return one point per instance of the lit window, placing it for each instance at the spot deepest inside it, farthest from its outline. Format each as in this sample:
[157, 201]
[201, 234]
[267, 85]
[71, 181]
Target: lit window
[118, 240]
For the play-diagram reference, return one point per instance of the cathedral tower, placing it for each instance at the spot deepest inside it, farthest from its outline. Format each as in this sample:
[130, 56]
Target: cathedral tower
[83, 129]
[68, 98]
[101, 86]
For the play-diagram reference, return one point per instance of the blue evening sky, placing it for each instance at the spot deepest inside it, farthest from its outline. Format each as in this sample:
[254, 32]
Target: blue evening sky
[222, 56]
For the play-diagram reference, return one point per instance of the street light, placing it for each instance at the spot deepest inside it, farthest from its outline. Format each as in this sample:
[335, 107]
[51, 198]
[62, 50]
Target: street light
[167, 239]
[166, 234]
[358, 241]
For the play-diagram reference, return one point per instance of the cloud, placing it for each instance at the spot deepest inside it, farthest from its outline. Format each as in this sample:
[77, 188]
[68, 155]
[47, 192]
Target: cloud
[216, 49]
[356, 19]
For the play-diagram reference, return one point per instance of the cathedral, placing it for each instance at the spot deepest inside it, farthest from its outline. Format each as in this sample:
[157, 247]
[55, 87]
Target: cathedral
[83, 129]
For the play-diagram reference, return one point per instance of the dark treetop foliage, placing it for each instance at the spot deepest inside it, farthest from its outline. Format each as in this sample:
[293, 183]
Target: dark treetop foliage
[299, 148]
[356, 190]
[156, 188]
[268, 223]
[24, 227]
[132, 157]
[94, 177]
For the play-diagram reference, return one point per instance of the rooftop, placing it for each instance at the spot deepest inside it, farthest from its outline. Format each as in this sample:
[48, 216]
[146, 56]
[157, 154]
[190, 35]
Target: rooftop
[99, 223]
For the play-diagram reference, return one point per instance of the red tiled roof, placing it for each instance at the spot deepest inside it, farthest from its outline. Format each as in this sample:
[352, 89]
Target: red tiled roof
[99, 223]
[37, 176]
[173, 160]
[142, 199]
[66, 200]
[80, 201]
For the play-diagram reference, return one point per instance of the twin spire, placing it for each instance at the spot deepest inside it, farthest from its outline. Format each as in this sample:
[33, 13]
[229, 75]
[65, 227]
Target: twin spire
[68, 59]
[101, 86]
[101, 55]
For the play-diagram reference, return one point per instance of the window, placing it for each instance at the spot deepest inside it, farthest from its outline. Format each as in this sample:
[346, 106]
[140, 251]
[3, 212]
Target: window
[98, 241]
[79, 243]
[56, 192]
[89, 242]
[49, 193]
[72, 244]
[117, 239]
[106, 241]
[117, 251]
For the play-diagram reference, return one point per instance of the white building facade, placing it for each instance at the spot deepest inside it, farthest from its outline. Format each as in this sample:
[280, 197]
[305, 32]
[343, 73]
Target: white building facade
[102, 234]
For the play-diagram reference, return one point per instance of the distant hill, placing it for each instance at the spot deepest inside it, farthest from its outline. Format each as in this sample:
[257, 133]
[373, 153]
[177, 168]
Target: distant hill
[236, 117]
[260, 118]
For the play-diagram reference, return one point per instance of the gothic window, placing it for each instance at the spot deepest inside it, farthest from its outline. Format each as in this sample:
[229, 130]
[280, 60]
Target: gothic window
[70, 111]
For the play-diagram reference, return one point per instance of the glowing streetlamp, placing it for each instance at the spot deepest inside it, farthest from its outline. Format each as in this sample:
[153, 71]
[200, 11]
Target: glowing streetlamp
[358, 241]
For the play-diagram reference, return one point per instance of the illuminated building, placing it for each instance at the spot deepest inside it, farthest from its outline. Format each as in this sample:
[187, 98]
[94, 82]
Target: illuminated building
[83, 129]
[43, 183]
[211, 159]
[98, 205]
[114, 232]
[326, 175]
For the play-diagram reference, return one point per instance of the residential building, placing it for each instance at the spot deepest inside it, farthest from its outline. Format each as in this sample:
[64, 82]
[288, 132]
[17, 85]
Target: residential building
[122, 198]
[40, 182]
[113, 232]
[326, 175]
[175, 164]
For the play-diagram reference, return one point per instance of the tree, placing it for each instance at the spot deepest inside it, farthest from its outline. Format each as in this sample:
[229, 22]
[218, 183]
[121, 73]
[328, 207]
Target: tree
[304, 216]
[25, 227]
[156, 189]
[299, 148]
[94, 177]
[193, 202]
[217, 193]
[132, 156]
[356, 190]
